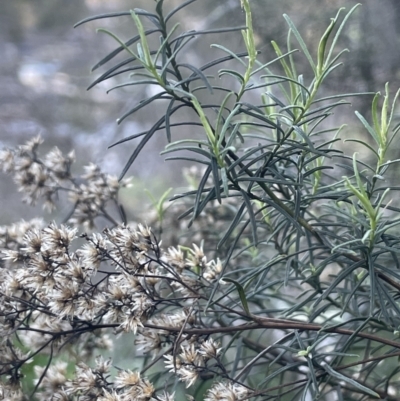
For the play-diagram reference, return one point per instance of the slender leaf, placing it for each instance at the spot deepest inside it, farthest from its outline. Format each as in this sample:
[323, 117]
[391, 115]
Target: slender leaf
[301, 41]
[141, 145]
[333, 373]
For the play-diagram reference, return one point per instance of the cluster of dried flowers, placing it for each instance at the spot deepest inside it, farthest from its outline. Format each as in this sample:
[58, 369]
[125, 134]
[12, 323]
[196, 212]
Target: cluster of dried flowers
[65, 295]
[47, 178]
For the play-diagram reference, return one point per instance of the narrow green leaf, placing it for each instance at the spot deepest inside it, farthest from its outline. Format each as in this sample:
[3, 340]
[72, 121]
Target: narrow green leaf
[168, 113]
[200, 190]
[193, 149]
[129, 138]
[123, 46]
[339, 31]
[250, 211]
[301, 41]
[368, 127]
[163, 198]
[141, 145]
[203, 203]
[221, 60]
[348, 380]
[159, 9]
[227, 124]
[374, 113]
[396, 96]
[165, 41]
[315, 169]
[232, 226]
[264, 66]
[342, 96]
[199, 73]
[290, 53]
[142, 104]
[101, 16]
[151, 17]
[285, 66]
[269, 180]
[112, 72]
[340, 277]
[235, 132]
[209, 31]
[364, 144]
[322, 44]
[221, 111]
[242, 294]
[285, 79]
[190, 159]
[230, 52]
[143, 45]
[215, 173]
[233, 74]
[133, 83]
[178, 8]
[238, 356]
[225, 183]
[384, 115]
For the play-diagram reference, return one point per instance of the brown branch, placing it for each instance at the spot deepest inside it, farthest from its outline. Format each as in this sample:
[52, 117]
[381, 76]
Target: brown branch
[372, 359]
[277, 324]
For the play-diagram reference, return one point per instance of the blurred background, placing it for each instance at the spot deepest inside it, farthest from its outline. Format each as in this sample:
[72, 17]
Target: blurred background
[45, 69]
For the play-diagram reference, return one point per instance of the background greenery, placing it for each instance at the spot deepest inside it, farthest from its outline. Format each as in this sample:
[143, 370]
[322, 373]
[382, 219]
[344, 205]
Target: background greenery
[44, 70]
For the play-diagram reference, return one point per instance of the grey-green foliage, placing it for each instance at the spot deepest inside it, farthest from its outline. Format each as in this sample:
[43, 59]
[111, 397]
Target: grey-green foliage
[322, 231]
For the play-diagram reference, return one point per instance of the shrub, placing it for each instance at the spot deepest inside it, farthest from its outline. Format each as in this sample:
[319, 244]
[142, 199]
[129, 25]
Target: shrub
[290, 291]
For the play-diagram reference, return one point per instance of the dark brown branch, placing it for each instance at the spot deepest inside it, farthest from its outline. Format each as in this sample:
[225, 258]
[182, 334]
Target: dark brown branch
[277, 324]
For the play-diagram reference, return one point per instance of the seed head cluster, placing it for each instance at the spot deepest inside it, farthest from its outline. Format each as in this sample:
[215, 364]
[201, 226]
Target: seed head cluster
[50, 177]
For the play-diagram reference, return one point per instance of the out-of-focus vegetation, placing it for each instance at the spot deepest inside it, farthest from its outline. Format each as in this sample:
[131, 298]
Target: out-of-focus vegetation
[44, 68]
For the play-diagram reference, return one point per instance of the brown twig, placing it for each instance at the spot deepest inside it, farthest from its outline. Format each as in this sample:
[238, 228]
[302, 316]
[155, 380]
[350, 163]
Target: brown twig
[277, 324]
